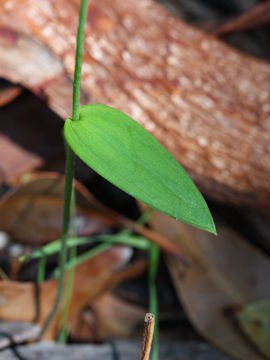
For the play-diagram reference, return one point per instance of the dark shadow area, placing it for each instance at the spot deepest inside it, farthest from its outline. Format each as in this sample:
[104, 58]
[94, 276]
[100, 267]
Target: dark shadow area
[208, 15]
[28, 122]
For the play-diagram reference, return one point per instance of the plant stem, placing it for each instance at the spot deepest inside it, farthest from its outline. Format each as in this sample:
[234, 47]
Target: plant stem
[69, 164]
[63, 328]
[87, 255]
[153, 301]
[41, 269]
[65, 227]
[78, 65]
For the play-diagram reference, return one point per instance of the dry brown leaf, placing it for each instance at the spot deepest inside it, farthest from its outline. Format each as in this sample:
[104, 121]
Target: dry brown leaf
[222, 273]
[108, 317]
[92, 279]
[33, 212]
[16, 160]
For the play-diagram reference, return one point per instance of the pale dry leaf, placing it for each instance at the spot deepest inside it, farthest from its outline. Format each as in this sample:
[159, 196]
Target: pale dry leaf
[221, 273]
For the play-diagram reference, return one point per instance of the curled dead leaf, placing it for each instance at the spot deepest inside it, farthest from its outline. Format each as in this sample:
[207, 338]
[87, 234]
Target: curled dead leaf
[92, 279]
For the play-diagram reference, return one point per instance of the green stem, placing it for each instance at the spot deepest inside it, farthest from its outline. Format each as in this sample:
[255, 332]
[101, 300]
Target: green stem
[82, 258]
[69, 164]
[79, 57]
[41, 269]
[64, 330]
[153, 301]
[63, 333]
[65, 227]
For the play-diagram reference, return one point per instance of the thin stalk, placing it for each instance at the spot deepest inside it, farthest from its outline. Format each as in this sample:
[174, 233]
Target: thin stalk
[63, 333]
[123, 238]
[145, 217]
[65, 227]
[79, 57]
[64, 328]
[87, 255]
[75, 261]
[41, 269]
[69, 164]
[153, 301]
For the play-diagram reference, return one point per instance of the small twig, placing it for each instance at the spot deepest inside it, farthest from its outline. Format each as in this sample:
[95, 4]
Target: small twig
[149, 324]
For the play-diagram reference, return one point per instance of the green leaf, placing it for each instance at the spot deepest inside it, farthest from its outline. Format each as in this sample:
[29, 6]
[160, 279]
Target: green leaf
[123, 152]
[254, 320]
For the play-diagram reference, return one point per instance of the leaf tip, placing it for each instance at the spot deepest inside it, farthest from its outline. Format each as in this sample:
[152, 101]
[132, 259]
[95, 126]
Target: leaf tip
[211, 226]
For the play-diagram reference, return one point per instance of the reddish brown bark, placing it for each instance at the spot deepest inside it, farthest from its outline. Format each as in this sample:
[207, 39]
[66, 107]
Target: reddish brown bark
[207, 103]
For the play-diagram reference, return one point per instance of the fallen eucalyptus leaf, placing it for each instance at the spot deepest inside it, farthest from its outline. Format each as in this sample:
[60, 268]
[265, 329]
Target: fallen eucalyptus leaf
[219, 274]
